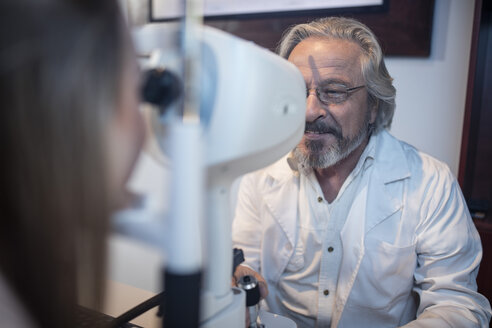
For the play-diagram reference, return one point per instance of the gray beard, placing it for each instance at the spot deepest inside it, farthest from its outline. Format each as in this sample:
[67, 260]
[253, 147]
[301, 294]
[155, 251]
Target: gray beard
[316, 158]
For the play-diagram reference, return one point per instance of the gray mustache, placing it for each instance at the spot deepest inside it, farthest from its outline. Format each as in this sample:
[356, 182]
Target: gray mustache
[322, 127]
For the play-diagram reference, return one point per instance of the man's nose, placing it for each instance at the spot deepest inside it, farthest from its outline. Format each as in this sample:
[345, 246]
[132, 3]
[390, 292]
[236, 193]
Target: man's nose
[314, 108]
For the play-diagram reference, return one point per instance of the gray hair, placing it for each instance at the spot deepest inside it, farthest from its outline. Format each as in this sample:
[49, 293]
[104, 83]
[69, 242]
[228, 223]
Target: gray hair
[377, 79]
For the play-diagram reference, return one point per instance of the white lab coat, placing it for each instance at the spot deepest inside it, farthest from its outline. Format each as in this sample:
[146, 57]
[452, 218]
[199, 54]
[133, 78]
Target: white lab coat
[408, 236]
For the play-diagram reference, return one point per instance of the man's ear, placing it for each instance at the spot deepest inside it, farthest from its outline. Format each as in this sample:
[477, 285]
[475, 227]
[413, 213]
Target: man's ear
[373, 107]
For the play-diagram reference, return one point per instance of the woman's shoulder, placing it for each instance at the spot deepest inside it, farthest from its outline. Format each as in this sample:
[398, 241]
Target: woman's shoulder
[12, 312]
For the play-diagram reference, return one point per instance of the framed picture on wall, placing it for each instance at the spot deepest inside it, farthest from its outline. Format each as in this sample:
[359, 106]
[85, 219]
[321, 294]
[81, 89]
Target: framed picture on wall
[170, 10]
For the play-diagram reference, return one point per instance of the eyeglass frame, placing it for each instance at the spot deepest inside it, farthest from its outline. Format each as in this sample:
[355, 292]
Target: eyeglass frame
[348, 92]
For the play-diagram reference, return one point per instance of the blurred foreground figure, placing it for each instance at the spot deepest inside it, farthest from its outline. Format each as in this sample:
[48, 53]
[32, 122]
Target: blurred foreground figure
[355, 228]
[70, 132]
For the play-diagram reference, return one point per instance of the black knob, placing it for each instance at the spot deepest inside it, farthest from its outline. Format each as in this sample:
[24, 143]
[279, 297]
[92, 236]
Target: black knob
[161, 87]
[250, 285]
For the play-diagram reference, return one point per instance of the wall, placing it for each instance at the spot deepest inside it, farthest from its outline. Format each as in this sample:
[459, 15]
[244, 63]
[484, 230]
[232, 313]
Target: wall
[431, 91]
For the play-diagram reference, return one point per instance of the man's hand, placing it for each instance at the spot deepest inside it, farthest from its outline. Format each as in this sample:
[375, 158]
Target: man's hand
[241, 271]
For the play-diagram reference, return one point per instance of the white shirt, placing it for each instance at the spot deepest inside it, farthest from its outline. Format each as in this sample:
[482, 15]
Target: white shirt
[307, 292]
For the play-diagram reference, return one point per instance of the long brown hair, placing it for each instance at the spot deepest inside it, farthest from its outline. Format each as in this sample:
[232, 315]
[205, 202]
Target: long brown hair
[60, 73]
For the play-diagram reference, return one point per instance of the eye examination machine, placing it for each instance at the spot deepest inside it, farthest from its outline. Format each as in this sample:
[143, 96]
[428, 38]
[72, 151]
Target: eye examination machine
[221, 107]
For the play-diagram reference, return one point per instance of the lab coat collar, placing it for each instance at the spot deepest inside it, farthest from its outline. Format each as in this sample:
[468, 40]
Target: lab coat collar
[282, 197]
[283, 169]
[390, 158]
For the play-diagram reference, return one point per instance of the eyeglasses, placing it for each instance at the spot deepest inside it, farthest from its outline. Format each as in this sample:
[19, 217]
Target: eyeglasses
[333, 93]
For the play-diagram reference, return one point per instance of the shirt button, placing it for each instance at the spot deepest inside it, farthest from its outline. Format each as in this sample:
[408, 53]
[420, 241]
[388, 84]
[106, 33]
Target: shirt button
[326, 292]
[330, 249]
[320, 199]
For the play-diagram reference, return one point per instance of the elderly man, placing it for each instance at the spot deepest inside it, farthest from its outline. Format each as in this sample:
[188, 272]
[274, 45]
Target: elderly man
[355, 228]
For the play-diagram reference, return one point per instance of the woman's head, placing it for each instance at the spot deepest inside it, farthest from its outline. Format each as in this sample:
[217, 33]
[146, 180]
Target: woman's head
[68, 93]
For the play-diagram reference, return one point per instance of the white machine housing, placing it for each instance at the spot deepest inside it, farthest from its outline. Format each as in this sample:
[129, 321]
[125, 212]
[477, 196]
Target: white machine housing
[252, 113]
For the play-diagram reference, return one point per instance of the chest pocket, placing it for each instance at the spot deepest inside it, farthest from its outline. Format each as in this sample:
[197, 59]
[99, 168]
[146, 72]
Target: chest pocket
[385, 275]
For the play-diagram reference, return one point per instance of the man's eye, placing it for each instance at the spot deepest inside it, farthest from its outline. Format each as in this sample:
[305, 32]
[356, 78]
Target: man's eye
[332, 96]
[333, 93]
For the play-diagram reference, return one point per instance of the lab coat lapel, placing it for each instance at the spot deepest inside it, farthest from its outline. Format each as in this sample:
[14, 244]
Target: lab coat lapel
[372, 205]
[390, 168]
[352, 236]
[281, 199]
[380, 202]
